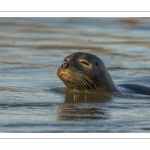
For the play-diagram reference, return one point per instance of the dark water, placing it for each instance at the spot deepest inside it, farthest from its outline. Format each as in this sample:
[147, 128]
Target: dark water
[31, 50]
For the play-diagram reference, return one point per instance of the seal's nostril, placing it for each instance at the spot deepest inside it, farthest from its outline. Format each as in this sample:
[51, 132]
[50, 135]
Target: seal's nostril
[65, 65]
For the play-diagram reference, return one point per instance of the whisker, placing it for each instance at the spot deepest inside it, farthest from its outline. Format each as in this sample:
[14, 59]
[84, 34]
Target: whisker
[81, 83]
[85, 82]
[78, 82]
[85, 77]
[53, 76]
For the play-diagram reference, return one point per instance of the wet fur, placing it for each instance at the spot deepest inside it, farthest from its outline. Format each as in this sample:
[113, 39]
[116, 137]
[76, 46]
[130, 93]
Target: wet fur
[79, 77]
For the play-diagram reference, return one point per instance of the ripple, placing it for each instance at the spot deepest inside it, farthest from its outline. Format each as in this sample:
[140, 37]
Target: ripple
[31, 48]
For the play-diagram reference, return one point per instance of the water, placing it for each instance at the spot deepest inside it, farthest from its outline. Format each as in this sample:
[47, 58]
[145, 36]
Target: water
[31, 50]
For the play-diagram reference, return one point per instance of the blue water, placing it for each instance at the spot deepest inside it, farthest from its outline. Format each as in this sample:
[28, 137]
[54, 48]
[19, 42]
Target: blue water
[31, 50]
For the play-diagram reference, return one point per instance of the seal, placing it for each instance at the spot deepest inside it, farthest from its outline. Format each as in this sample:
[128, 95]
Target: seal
[85, 71]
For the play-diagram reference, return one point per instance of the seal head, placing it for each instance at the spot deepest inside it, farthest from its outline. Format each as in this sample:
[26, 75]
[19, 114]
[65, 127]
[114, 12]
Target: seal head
[85, 71]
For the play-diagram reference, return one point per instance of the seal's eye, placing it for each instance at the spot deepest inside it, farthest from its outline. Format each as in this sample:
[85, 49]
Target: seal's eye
[84, 62]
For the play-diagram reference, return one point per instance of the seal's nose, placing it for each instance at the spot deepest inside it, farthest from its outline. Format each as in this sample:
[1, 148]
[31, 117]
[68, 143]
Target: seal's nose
[65, 65]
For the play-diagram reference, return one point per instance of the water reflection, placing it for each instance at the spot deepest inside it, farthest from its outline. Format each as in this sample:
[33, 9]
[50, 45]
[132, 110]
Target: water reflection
[31, 47]
[86, 97]
[84, 106]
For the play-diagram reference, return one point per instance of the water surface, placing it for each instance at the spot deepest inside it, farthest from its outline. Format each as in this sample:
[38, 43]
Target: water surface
[31, 50]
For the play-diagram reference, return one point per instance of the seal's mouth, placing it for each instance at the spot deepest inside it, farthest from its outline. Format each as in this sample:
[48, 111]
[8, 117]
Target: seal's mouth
[64, 75]
[75, 79]
[67, 78]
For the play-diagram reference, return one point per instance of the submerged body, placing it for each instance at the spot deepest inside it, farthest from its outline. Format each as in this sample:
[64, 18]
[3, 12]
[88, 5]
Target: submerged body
[85, 71]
